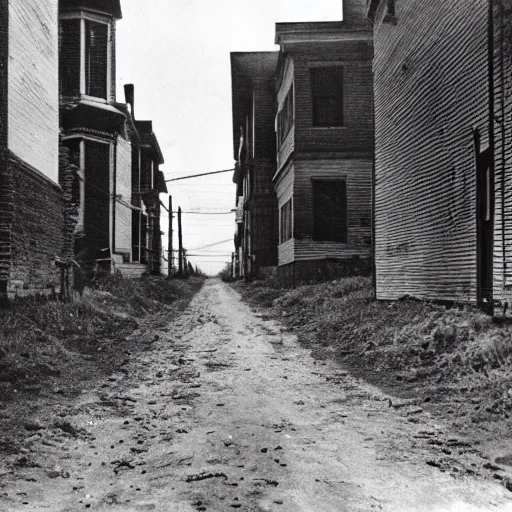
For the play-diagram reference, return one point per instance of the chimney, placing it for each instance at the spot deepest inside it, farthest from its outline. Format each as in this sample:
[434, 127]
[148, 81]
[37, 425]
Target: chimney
[354, 12]
[129, 97]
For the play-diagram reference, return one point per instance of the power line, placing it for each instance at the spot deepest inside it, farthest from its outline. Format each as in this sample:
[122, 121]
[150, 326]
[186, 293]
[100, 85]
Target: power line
[198, 175]
[212, 245]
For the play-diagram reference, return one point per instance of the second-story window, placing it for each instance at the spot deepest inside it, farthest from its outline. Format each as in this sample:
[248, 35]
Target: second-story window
[327, 96]
[84, 58]
[96, 51]
[285, 117]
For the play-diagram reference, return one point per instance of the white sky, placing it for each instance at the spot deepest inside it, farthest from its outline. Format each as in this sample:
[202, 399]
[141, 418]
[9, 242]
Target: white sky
[176, 52]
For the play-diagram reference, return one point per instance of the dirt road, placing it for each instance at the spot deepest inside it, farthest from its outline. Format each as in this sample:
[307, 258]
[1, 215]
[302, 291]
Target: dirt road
[225, 411]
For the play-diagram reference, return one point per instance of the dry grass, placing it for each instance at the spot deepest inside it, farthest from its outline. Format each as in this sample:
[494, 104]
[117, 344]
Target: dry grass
[40, 339]
[405, 345]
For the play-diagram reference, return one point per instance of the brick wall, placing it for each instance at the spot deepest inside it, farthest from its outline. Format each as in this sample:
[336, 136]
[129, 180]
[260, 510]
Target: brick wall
[38, 231]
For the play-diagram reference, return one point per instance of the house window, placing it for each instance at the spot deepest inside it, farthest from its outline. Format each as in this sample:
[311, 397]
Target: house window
[286, 221]
[96, 51]
[84, 58]
[285, 117]
[69, 57]
[330, 210]
[327, 96]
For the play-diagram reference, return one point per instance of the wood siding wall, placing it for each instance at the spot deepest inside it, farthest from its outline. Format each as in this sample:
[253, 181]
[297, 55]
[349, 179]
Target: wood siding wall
[431, 90]
[503, 149]
[356, 134]
[123, 217]
[357, 174]
[288, 145]
[33, 84]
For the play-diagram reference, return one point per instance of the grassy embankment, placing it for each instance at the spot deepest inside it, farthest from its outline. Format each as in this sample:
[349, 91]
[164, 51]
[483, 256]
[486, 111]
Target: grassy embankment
[458, 360]
[51, 344]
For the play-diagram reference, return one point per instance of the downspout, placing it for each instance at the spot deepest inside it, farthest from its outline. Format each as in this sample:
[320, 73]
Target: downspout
[490, 42]
[114, 197]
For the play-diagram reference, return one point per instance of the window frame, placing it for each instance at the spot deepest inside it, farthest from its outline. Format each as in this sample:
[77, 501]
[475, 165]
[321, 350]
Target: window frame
[286, 229]
[337, 96]
[85, 17]
[285, 118]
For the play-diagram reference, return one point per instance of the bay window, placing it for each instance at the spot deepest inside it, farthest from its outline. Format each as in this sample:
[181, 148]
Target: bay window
[85, 57]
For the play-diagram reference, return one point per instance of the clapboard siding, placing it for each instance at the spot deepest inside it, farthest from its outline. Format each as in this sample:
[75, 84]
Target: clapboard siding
[431, 91]
[502, 17]
[357, 174]
[287, 146]
[286, 252]
[123, 220]
[33, 84]
[356, 134]
[310, 152]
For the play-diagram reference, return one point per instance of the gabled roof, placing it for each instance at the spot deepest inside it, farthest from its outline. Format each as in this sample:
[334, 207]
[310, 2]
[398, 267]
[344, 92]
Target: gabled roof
[246, 69]
[147, 136]
[111, 7]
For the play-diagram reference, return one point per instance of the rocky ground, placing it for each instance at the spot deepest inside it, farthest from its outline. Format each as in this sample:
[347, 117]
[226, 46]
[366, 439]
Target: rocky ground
[222, 409]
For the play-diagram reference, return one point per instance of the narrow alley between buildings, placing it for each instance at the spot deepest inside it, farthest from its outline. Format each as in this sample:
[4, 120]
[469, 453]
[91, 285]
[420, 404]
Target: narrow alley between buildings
[226, 411]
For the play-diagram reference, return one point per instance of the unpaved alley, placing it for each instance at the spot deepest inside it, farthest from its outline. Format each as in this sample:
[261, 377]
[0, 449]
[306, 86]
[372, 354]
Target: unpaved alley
[225, 411]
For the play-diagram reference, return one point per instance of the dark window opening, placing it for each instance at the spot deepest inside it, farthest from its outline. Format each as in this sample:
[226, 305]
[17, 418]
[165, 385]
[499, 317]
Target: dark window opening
[286, 222]
[69, 57]
[96, 51]
[285, 117]
[327, 93]
[330, 210]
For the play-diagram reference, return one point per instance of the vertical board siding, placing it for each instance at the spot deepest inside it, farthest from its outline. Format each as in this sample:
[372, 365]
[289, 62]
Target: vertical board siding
[357, 174]
[33, 84]
[123, 218]
[431, 90]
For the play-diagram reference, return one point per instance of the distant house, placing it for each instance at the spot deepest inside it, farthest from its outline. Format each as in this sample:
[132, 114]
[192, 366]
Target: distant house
[254, 143]
[118, 224]
[443, 129]
[151, 183]
[34, 226]
[324, 147]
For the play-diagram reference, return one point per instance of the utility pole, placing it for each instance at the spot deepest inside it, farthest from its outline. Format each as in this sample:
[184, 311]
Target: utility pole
[170, 256]
[180, 245]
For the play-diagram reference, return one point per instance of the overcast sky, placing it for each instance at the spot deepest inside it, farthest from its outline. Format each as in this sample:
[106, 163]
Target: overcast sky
[176, 52]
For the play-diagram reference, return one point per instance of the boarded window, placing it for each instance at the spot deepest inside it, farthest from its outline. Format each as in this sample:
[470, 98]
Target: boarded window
[330, 210]
[285, 117]
[286, 222]
[96, 51]
[69, 57]
[327, 96]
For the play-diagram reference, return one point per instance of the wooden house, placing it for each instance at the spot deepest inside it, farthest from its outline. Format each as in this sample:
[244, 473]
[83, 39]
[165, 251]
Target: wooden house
[34, 225]
[118, 179]
[324, 128]
[254, 144]
[442, 168]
